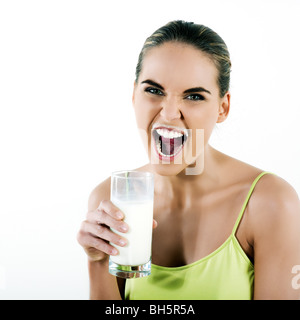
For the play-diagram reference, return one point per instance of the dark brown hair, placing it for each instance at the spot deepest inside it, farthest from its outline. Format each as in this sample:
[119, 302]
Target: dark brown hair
[200, 37]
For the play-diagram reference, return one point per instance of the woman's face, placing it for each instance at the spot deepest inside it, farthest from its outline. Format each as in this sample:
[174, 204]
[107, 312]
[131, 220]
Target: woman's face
[177, 105]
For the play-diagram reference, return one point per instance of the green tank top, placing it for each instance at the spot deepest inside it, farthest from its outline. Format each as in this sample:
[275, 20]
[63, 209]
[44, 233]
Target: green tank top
[225, 274]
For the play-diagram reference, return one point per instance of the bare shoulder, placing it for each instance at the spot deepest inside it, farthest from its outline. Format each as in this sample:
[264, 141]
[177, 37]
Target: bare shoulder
[274, 203]
[99, 193]
[274, 192]
[271, 190]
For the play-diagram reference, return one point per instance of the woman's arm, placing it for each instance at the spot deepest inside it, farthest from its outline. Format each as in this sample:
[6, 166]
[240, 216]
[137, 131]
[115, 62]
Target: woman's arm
[103, 286]
[94, 236]
[275, 221]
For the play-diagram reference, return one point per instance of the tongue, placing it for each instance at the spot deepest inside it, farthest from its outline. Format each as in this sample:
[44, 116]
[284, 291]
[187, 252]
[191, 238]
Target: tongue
[169, 146]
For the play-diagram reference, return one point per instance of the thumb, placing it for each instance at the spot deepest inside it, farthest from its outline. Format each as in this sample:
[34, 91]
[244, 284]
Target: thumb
[154, 224]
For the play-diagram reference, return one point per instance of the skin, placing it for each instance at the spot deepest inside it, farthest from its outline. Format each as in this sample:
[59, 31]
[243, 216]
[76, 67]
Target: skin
[195, 214]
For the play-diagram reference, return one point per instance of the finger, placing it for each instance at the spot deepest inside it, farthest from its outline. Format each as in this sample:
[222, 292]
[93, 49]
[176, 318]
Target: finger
[111, 209]
[154, 224]
[101, 217]
[89, 242]
[103, 232]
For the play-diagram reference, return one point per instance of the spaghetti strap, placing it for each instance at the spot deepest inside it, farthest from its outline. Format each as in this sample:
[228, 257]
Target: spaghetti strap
[247, 199]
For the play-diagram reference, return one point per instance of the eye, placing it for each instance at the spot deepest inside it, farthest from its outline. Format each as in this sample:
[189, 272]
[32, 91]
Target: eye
[195, 97]
[154, 91]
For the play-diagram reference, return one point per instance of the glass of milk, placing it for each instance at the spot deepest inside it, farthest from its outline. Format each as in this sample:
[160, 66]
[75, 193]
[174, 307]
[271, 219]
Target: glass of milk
[133, 192]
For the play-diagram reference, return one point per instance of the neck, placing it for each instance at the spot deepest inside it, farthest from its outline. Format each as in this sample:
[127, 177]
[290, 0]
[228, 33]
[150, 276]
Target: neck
[185, 187]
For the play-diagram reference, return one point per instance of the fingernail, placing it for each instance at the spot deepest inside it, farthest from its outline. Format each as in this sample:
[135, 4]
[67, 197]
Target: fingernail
[124, 228]
[122, 242]
[114, 251]
[119, 215]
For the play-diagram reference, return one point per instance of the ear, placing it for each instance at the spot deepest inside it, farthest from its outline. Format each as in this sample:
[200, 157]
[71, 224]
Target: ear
[224, 108]
[133, 93]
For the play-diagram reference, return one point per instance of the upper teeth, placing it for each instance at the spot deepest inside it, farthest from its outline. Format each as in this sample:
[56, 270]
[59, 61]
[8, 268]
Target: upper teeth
[169, 133]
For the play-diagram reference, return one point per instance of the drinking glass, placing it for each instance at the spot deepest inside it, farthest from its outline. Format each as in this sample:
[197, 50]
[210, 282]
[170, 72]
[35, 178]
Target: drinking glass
[133, 192]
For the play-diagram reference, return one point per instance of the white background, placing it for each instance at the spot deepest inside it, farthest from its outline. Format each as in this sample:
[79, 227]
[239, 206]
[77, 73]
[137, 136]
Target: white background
[66, 121]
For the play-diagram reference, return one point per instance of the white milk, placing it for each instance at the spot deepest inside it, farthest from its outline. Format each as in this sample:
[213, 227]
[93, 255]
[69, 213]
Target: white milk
[139, 217]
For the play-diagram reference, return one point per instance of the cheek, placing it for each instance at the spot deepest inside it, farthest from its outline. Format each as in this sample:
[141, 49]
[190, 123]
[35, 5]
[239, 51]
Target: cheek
[203, 120]
[145, 113]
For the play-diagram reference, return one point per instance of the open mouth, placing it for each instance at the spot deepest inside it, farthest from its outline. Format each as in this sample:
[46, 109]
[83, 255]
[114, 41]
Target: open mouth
[169, 140]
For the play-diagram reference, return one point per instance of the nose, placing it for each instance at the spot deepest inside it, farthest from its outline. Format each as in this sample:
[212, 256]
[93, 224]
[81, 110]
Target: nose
[170, 110]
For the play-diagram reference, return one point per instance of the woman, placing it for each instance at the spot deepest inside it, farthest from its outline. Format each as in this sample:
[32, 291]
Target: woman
[223, 229]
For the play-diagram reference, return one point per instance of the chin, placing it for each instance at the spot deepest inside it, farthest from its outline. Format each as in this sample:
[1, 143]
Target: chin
[167, 169]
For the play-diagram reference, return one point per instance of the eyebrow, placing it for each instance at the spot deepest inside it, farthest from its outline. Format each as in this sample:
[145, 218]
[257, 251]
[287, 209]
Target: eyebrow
[191, 90]
[197, 89]
[152, 83]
